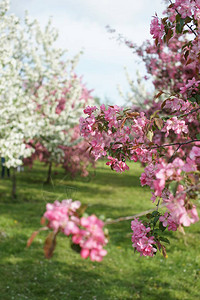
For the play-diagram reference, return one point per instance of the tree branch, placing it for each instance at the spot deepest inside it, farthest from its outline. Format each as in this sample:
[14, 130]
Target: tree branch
[173, 144]
[131, 217]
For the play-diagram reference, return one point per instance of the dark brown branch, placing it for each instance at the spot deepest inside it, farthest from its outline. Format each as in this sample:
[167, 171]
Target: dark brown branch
[173, 144]
[170, 160]
[190, 112]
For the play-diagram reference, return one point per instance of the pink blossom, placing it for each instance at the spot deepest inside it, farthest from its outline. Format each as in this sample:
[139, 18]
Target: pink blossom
[141, 241]
[118, 166]
[91, 239]
[89, 110]
[164, 219]
[178, 126]
[156, 28]
[194, 153]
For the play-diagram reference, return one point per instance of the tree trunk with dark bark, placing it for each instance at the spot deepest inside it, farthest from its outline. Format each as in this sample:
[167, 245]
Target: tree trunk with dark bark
[49, 174]
[14, 184]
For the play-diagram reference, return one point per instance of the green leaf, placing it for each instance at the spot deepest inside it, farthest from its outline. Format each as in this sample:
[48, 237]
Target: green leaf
[178, 28]
[192, 99]
[155, 213]
[182, 22]
[178, 18]
[149, 216]
[198, 136]
[163, 239]
[161, 227]
[187, 20]
[156, 219]
[197, 96]
[76, 247]
[157, 231]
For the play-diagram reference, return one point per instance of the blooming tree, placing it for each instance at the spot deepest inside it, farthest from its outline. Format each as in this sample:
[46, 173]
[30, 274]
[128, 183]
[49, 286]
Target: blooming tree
[167, 139]
[60, 140]
[41, 99]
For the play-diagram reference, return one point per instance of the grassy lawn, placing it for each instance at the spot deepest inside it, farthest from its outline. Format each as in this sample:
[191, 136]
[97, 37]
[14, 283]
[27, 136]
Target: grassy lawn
[123, 274]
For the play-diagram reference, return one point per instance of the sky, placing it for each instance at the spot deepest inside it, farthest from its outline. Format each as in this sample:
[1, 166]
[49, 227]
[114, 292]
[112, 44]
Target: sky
[82, 26]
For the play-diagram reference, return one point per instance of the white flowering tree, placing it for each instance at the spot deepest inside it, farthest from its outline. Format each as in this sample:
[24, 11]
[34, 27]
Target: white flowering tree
[34, 77]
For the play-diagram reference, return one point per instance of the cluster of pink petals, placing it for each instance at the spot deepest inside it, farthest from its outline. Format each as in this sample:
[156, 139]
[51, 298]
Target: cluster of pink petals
[115, 164]
[141, 241]
[167, 220]
[186, 7]
[148, 177]
[178, 126]
[86, 232]
[156, 175]
[59, 215]
[194, 154]
[192, 84]
[105, 130]
[176, 104]
[181, 212]
[156, 28]
[110, 114]
[91, 238]
[164, 172]
[89, 110]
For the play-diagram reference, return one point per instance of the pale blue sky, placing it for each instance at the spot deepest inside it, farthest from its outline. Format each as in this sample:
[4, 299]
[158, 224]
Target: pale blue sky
[81, 25]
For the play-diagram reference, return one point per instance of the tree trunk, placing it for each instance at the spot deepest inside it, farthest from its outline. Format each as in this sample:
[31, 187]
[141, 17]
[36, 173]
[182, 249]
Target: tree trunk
[14, 195]
[49, 174]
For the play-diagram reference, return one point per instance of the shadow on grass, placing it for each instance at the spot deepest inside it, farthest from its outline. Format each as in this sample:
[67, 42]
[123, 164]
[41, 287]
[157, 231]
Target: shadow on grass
[110, 177]
[52, 279]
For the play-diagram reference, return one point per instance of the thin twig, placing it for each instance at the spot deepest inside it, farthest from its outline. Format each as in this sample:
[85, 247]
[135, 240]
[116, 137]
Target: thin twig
[170, 160]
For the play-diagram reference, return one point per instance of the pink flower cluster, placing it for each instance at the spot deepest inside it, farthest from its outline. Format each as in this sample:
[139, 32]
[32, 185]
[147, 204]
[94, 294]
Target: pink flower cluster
[186, 7]
[156, 175]
[191, 85]
[156, 28]
[178, 126]
[106, 131]
[176, 104]
[142, 242]
[61, 216]
[167, 220]
[86, 232]
[181, 210]
[91, 238]
[115, 164]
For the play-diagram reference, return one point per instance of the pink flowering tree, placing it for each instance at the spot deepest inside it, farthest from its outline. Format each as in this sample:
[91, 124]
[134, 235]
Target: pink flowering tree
[60, 141]
[165, 139]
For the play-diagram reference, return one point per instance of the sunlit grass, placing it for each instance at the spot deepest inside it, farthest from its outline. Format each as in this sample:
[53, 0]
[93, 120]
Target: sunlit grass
[25, 274]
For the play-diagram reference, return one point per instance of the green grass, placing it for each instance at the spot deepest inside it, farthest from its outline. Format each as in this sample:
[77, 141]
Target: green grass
[123, 274]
